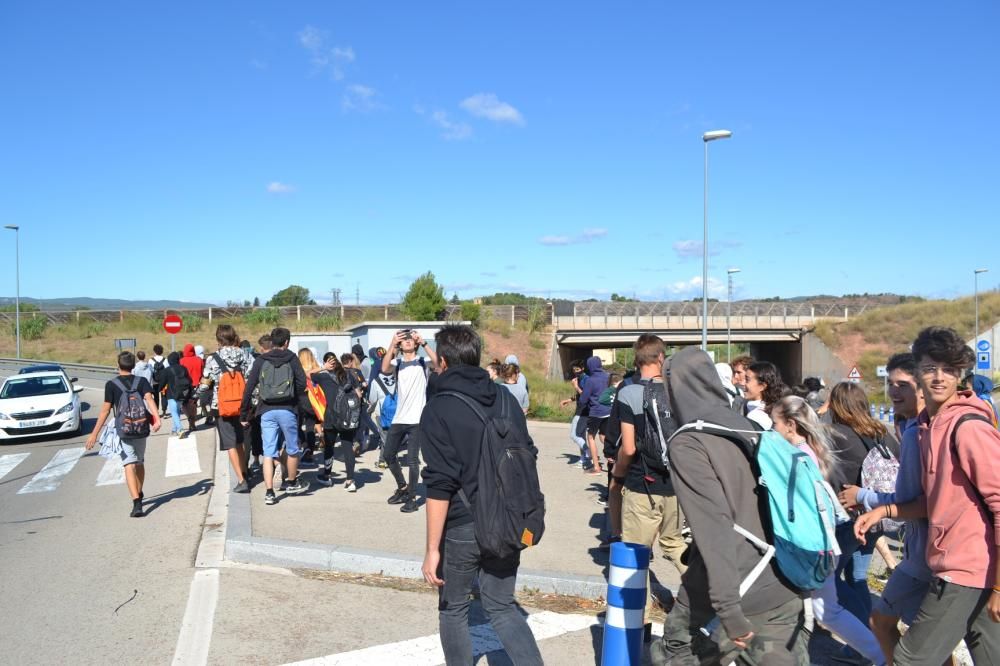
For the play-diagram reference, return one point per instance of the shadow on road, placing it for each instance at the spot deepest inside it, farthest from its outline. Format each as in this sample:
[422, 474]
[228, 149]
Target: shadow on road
[199, 488]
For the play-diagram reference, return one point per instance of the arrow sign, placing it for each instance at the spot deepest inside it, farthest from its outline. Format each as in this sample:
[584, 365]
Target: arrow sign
[854, 374]
[984, 345]
[173, 324]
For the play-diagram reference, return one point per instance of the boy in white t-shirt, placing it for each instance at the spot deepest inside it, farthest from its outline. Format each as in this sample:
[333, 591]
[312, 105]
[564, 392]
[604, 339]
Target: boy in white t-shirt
[410, 370]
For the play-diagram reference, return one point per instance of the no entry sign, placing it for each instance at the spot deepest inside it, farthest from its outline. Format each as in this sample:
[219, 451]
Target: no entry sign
[173, 324]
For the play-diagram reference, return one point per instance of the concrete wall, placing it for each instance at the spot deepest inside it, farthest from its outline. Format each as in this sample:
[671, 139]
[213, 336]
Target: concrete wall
[819, 361]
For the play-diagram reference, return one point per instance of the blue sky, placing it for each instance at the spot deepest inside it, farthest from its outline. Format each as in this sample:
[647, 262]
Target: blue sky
[549, 148]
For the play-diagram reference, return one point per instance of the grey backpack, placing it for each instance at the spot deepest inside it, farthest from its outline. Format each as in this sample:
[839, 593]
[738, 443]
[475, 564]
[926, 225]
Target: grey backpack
[276, 383]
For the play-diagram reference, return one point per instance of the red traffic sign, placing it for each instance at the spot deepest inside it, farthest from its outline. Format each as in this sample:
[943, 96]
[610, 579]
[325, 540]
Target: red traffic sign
[173, 324]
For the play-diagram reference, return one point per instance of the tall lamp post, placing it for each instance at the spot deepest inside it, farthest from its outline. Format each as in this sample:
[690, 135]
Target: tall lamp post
[729, 312]
[17, 277]
[977, 272]
[706, 138]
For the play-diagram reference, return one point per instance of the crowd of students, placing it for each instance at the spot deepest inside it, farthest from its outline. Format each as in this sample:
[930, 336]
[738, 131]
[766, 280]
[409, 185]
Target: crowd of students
[676, 439]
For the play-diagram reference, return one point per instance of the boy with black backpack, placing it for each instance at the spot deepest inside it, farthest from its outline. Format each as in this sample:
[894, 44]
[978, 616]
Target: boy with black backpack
[474, 528]
[136, 417]
[280, 382]
[159, 363]
[641, 471]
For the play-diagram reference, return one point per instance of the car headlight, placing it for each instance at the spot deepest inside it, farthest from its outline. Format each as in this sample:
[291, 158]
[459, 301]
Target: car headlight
[67, 408]
[4, 417]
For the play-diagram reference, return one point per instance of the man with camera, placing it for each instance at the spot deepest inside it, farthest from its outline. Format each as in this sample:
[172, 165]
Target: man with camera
[410, 370]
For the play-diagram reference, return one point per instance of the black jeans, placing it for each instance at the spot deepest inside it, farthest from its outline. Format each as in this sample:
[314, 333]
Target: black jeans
[156, 400]
[461, 562]
[330, 439]
[401, 435]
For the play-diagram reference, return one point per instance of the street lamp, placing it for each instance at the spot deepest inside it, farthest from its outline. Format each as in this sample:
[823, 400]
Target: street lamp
[17, 277]
[706, 138]
[729, 312]
[977, 272]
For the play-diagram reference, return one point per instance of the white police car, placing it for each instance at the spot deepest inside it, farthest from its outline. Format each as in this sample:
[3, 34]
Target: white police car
[39, 403]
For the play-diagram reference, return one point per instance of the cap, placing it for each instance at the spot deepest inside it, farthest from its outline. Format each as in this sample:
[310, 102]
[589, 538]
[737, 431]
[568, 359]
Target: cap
[511, 360]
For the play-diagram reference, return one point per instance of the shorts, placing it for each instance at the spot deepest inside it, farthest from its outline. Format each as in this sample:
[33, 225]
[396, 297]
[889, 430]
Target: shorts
[275, 423]
[133, 451]
[902, 597]
[597, 426]
[230, 432]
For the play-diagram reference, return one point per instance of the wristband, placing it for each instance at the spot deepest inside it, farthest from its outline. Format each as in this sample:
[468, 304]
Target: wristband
[423, 344]
[996, 589]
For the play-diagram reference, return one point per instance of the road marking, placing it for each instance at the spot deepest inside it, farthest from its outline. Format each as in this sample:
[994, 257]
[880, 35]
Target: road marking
[196, 627]
[426, 650]
[51, 475]
[10, 461]
[182, 456]
[113, 472]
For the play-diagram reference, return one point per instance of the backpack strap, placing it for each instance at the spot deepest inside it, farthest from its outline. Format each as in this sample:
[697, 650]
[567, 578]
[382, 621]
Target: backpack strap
[747, 444]
[954, 452]
[471, 404]
[223, 366]
[135, 383]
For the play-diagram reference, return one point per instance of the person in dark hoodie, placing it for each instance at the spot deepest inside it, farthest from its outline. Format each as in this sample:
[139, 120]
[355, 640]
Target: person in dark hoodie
[177, 389]
[452, 434]
[717, 489]
[277, 414]
[597, 419]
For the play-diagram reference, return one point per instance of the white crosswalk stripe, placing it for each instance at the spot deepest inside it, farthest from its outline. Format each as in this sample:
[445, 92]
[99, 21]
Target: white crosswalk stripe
[10, 461]
[112, 474]
[182, 456]
[51, 475]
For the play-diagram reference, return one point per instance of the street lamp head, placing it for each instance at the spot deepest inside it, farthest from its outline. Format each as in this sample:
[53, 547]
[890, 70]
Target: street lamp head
[13, 227]
[716, 134]
[733, 270]
[982, 270]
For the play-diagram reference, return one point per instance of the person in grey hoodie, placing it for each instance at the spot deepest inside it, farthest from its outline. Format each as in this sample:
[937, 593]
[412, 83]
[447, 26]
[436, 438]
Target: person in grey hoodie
[717, 488]
[597, 414]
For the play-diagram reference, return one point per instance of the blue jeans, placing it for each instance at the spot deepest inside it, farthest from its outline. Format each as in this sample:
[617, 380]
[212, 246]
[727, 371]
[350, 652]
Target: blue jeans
[852, 572]
[175, 415]
[460, 564]
[281, 421]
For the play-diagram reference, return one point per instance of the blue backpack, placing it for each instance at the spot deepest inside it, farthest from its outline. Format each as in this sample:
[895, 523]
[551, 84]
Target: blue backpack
[388, 410]
[804, 510]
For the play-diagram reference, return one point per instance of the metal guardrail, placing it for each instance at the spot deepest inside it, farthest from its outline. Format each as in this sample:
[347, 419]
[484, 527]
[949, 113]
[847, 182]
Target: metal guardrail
[68, 366]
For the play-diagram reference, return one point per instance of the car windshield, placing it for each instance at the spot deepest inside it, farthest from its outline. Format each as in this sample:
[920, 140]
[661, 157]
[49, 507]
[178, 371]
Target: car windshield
[40, 368]
[30, 387]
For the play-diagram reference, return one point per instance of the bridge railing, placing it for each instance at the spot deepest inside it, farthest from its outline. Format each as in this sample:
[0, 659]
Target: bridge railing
[691, 322]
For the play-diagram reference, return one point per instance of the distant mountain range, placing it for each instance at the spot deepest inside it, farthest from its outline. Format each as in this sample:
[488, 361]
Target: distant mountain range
[85, 303]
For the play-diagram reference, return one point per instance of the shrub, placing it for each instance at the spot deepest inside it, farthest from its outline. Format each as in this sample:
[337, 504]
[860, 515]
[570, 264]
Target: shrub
[32, 328]
[91, 329]
[328, 323]
[537, 318]
[536, 343]
[471, 312]
[192, 323]
[263, 317]
[499, 326]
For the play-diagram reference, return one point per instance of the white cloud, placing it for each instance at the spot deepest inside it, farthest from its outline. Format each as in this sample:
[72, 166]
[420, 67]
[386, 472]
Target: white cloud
[275, 187]
[686, 289]
[360, 98]
[487, 105]
[586, 236]
[451, 130]
[689, 249]
[555, 240]
[330, 59]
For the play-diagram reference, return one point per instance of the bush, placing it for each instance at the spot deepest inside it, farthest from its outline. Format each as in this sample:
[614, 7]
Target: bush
[471, 312]
[192, 323]
[32, 328]
[499, 326]
[263, 317]
[328, 323]
[537, 318]
[536, 343]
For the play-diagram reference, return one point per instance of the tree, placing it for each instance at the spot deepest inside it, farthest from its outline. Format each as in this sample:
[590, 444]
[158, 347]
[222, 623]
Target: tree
[455, 300]
[615, 298]
[291, 295]
[256, 301]
[425, 300]
[511, 298]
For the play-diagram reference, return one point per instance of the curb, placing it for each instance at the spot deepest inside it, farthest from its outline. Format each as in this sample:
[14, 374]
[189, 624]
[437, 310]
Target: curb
[242, 546]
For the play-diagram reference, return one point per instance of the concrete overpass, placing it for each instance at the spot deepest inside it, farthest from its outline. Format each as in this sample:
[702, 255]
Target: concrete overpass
[777, 332]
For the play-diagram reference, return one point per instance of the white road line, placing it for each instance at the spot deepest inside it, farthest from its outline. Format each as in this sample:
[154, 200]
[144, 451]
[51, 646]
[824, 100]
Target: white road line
[182, 456]
[10, 461]
[426, 650]
[112, 474]
[51, 475]
[196, 627]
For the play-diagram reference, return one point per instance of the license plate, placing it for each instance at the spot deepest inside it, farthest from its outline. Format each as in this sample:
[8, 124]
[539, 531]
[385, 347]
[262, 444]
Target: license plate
[31, 424]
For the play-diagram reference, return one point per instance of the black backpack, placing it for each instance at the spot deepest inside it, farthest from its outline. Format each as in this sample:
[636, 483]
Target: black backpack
[659, 426]
[346, 410]
[131, 415]
[509, 509]
[159, 376]
[276, 382]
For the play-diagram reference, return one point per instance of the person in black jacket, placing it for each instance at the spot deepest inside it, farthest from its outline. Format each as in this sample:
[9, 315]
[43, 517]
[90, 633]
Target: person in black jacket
[277, 415]
[177, 391]
[451, 435]
[334, 378]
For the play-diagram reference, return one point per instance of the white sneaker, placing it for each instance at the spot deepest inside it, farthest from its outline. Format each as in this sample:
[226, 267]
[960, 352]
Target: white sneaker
[350, 487]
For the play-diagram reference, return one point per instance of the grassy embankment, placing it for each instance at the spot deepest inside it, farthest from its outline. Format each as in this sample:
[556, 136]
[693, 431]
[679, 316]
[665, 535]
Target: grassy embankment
[869, 339]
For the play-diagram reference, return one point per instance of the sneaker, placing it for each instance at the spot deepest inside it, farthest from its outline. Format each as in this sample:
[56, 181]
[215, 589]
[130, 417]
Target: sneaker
[296, 486]
[137, 511]
[411, 504]
[399, 496]
[241, 487]
[324, 480]
[350, 487]
[602, 501]
[269, 498]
